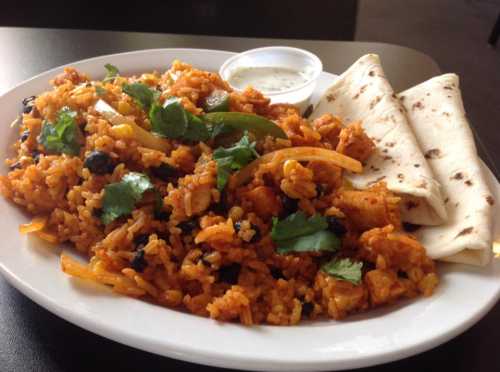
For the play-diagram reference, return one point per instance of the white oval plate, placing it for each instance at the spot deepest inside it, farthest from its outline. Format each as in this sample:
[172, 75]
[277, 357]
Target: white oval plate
[463, 297]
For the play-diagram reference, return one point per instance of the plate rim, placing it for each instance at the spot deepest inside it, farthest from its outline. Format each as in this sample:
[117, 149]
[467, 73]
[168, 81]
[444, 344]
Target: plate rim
[221, 359]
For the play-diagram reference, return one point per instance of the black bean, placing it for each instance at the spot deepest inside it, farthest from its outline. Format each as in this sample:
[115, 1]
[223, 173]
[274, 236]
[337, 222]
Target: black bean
[289, 205]
[335, 226]
[25, 135]
[320, 190]
[237, 226]
[139, 263]
[35, 154]
[142, 239]
[276, 273]
[219, 208]
[28, 100]
[161, 215]
[307, 309]
[28, 104]
[256, 237]
[165, 172]
[222, 207]
[230, 273]
[188, 226]
[410, 227]
[98, 162]
[97, 212]
[16, 165]
[27, 109]
[204, 259]
[164, 235]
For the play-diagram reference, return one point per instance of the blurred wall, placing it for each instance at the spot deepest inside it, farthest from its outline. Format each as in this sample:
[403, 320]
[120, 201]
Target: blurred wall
[306, 19]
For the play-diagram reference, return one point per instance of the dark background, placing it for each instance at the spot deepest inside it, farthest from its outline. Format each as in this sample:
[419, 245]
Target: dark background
[297, 19]
[452, 32]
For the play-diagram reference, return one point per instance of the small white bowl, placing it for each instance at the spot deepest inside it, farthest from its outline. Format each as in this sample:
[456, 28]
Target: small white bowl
[283, 57]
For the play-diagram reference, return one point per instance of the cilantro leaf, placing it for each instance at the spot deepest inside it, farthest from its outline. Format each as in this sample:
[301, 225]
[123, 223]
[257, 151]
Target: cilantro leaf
[233, 158]
[118, 201]
[100, 91]
[143, 95]
[112, 72]
[196, 129]
[120, 197]
[173, 121]
[344, 269]
[139, 183]
[319, 241]
[62, 137]
[296, 225]
[224, 170]
[169, 121]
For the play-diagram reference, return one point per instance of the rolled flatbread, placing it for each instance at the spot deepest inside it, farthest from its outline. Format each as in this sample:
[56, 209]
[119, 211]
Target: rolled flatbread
[437, 117]
[362, 93]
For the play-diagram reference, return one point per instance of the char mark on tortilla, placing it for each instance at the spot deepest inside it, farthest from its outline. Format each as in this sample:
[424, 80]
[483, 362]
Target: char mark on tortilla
[465, 231]
[433, 154]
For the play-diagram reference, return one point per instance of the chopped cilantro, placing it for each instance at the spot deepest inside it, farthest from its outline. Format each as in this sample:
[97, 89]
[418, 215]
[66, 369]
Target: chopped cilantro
[143, 95]
[112, 72]
[173, 121]
[297, 224]
[318, 241]
[120, 197]
[196, 129]
[297, 233]
[63, 136]
[100, 91]
[233, 158]
[169, 121]
[344, 269]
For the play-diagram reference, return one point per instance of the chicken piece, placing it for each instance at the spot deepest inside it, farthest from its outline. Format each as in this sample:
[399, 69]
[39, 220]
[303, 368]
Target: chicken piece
[329, 127]
[183, 158]
[281, 110]
[326, 173]
[233, 304]
[374, 207]
[250, 101]
[194, 194]
[264, 201]
[221, 232]
[395, 250]
[297, 181]
[354, 142]
[384, 286]
[298, 131]
[340, 297]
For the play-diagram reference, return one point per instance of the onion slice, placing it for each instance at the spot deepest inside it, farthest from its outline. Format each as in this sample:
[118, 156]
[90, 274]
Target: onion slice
[145, 138]
[302, 153]
[37, 224]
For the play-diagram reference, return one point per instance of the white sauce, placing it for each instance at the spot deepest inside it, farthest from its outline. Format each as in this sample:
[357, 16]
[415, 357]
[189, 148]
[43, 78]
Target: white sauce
[268, 79]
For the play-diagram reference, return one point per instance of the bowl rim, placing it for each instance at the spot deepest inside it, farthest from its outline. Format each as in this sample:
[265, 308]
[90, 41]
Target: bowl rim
[317, 64]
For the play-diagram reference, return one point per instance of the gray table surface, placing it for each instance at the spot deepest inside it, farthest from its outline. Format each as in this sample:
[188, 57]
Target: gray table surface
[32, 339]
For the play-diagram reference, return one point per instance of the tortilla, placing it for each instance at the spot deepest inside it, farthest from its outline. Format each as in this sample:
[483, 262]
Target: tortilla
[362, 93]
[437, 117]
